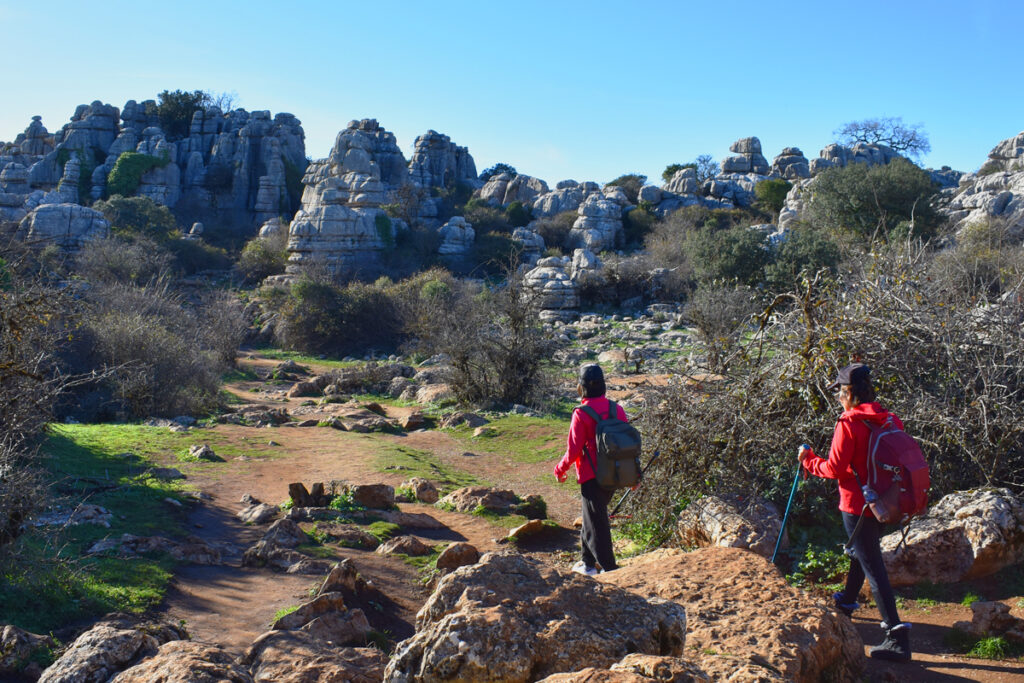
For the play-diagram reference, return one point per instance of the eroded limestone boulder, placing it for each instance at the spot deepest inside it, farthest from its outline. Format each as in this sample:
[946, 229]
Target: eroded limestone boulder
[301, 657]
[640, 668]
[599, 226]
[967, 534]
[551, 288]
[511, 618]
[791, 164]
[730, 521]
[438, 162]
[504, 188]
[457, 237]
[184, 661]
[743, 616]
[67, 225]
[469, 498]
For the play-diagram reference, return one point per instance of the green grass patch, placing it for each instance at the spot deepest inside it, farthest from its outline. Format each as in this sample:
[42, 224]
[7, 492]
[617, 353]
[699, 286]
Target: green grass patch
[819, 565]
[412, 462]
[320, 552]
[304, 359]
[283, 612]
[505, 521]
[383, 531]
[992, 647]
[524, 439]
[240, 374]
[640, 537]
[970, 598]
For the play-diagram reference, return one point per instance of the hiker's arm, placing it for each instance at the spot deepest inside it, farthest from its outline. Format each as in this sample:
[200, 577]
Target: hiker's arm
[573, 446]
[621, 413]
[839, 455]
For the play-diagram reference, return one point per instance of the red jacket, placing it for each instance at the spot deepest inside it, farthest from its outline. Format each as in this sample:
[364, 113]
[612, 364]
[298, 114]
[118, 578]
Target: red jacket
[849, 445]
[583, 430]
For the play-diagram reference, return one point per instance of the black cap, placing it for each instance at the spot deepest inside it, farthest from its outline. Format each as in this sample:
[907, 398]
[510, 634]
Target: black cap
[591, 373]
[855, 373]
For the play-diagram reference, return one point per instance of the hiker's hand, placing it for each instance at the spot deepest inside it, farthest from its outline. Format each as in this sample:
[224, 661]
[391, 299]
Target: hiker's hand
[561, 477]
[802, 452]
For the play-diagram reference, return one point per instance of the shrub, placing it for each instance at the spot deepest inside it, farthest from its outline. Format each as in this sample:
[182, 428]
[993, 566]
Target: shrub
[871, 201]
[632, 277]
[637, 223]
[771, 194]
[982, 264]
[485, 218]
[805, 250]
[498, 169]
[125, 177]
[555, 229]
[138, 216]
[944, 365]
[262, 257]
[175, 110]
[672, 169]
[732, 254]
[127, 261]
[630, 184]
[720, 314]
[518, 214]
[493, 250]
[385, 231]
[194, 256]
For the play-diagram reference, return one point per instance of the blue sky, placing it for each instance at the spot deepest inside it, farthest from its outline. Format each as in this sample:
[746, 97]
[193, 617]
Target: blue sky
[583, 90]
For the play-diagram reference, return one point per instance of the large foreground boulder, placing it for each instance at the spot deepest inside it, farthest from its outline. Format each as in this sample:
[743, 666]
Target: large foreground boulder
[645, 669]
[743, 616]
[183, 661]
[511, 618]
[108, 648]
[731, 522]
[965, 535]
[300, 657]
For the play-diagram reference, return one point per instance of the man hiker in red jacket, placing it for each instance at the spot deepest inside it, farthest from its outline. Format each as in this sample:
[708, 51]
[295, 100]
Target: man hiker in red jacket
[581, 449]
[848, 455]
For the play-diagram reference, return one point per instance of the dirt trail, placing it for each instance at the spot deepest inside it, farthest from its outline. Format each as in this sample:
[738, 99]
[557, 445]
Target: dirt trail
[230, 605]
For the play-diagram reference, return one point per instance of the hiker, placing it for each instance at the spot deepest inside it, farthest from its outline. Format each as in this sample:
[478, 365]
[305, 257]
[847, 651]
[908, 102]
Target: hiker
[581, 449]
[848, 455]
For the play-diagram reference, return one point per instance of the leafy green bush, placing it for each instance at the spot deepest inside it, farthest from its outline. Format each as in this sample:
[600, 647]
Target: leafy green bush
[819, 565]
[734, 254]
[518, 214]
[804, 250]
[498, 169]
[637, 223]
[630, 184]
[194, 256]
[138, 216]
[871, 201]
[672, 169]
[771, 194]
[125, 177]
[493, 250]
[555, 229]
[485, 218]
[262, 257]
[175, 110]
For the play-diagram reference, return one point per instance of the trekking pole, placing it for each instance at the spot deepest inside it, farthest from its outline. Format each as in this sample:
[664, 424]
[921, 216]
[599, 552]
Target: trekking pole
[629, 491]
[782, 529]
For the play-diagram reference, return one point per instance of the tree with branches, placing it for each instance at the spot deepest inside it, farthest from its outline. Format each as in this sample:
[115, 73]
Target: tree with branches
[908, 139]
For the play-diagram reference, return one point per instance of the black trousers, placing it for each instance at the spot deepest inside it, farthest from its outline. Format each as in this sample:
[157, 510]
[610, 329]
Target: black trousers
[867, 562]
[596, 534]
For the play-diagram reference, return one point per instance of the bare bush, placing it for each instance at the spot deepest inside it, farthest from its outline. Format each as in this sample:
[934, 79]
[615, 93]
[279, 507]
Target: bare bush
[721, 313]
[634, 278]
[555, 229]
[951, 367]
[130, 261]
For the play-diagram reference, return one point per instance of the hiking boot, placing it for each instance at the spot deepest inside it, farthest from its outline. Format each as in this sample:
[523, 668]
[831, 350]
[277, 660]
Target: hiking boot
[896, 646]
[842, 604]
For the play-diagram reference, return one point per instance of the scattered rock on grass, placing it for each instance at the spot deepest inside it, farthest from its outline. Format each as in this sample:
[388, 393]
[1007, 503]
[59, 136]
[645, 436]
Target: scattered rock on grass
[469, 498]
[531, 528]
[286, 534]
[455, 419]
[413, 421]
[349, 535]
[424, 489]
[193, 549]
[165, 473]
[203, 452]
[17, 648]
[374, 496]
[258, 514]
[405, 545]
[301, 657]
[992, 619]
[457, 555]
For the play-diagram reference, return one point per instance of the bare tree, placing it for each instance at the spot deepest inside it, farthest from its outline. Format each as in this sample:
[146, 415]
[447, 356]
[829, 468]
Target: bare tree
[907, 139]
[707, 168]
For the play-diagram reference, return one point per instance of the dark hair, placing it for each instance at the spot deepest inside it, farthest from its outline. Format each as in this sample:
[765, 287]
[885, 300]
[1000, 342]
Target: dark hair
[862, 391]
[592, 380]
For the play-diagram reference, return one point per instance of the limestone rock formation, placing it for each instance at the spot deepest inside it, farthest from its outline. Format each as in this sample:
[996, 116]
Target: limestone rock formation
[860, 153]
[996, 192]
[791, 164]
[748, 160]
[728, 521]
[17, 648]
[438, 162]
[184, 661]
[109, 647]
[511, 618]
[424, 490]
[730, 595]
[457, 555]
[965, 535]
[469, 498]
[36, 140]
[640, 668]
[531, 243]
[567, 196]
[340, 223]
[504, 188]
[69, 226]
[551, 288]
[683, 182]
[599, 226]
[404, 545]
[457, 237]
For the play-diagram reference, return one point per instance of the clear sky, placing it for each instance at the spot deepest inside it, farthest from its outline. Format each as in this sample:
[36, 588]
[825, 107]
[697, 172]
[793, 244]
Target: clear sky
[559, 89]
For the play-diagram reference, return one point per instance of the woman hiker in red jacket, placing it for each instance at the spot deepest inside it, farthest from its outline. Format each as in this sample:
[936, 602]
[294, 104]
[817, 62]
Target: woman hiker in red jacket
[581, 449]
[847, 455]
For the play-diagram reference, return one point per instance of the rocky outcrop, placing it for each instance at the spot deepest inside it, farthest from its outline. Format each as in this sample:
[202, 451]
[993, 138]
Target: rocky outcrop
[599, 226]
[457, 555]
[340, 223]
[511, 618]
[108, 648]
[730, 595]
[996, 192]
[424, 490]
[791, 164]
[638, 668]
[68, 226]
[683, 182]
[469, 498]
[17, 648]
[183, 661]
[457, 237]
[730, 521]
[300, 657]
[567, 196]
[36, 140]
[965, 535]
[504, 188]
[748, 158]
[551, 288]
[531, 244]
[438, 162]
[836, 155]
